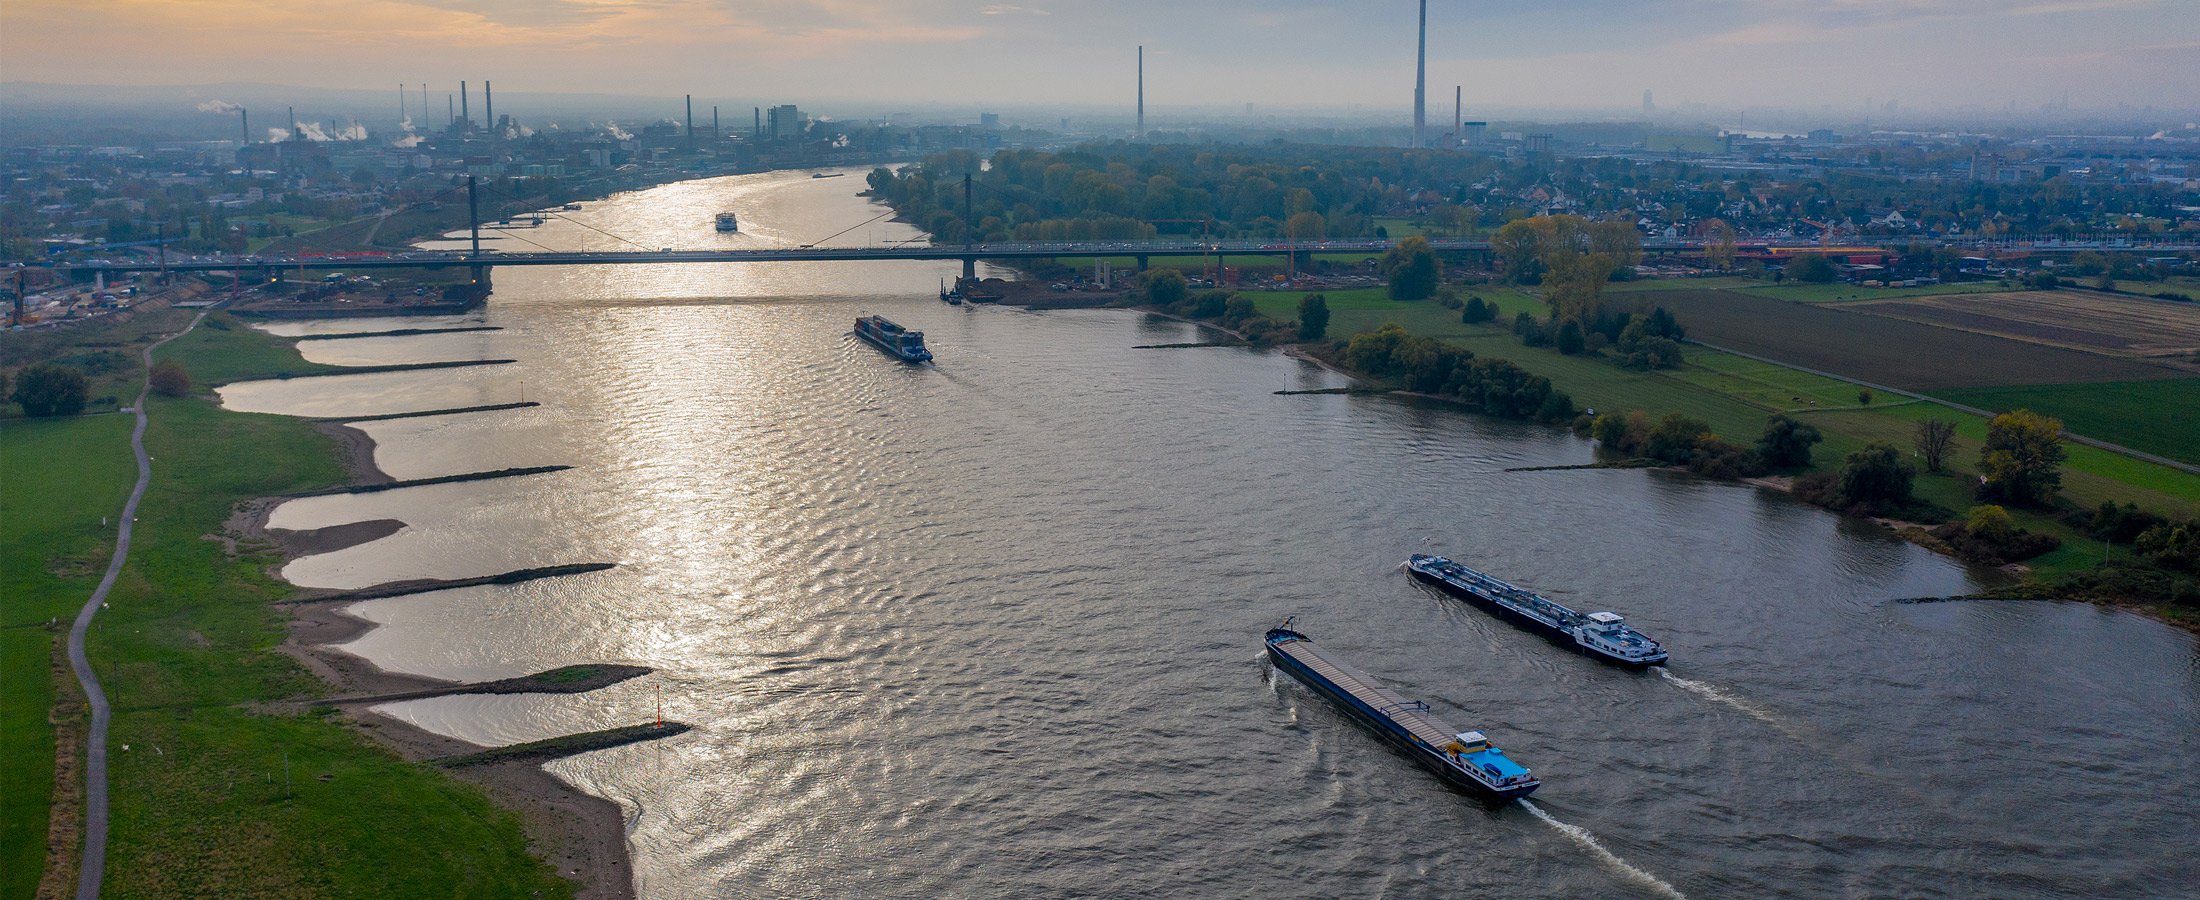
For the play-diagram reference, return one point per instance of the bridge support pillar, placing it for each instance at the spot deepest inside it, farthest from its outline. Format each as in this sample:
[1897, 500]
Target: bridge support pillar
[1142, 264]
[970, 267]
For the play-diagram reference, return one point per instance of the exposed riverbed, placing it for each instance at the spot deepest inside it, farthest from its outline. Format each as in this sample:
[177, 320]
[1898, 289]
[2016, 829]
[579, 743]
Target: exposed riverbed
[991, 628]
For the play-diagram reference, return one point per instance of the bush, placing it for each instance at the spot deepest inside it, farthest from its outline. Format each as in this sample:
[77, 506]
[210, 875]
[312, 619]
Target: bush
[1674, 441]
[1990, 522]
[1724, 459]
[1478, 311]
[2120, 524]
[1532, 332]
[1210, 304]
[2173, 545]
[1448, 298]
[1558, 406]
[1875, 479]
[2044, 281]
[1864, 396]
[1165, 288]
[50, 391]
[1313, 317]
[1237, 310]
[1786, 442]
[169, 378]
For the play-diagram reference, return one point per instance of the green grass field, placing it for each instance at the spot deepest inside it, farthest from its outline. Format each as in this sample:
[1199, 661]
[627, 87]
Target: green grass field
[224, 349]
[2154, 416]
[184, 648]
[61, 477]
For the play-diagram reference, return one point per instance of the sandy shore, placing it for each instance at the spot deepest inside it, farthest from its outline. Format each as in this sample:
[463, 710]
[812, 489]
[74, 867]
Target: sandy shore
[583, 835]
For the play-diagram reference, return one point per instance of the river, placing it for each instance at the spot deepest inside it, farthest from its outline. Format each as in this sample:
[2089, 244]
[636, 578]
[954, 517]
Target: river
[992, 628]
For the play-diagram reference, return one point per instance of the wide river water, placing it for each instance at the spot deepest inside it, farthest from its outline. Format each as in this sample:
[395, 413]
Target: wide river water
[992, 628]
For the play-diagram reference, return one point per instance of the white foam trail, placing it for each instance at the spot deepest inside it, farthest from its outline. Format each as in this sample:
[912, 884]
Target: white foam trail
[1590, 843]
[1708, 692]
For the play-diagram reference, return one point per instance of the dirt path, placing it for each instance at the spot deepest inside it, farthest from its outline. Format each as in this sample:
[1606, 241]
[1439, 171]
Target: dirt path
[93, 864]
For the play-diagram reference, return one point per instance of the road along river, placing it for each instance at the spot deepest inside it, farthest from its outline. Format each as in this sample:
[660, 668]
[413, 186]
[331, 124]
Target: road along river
[991, 628]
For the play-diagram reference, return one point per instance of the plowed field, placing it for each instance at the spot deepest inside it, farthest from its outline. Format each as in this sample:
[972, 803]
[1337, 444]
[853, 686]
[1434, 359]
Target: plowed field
[1885, 350]
[2103, 323]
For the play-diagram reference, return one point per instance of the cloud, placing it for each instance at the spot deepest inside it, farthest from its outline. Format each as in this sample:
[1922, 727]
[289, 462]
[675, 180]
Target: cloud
[1002, 10]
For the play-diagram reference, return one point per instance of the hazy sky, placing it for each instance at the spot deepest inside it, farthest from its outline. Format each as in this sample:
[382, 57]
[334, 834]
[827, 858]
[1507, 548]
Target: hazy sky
[1585, 53]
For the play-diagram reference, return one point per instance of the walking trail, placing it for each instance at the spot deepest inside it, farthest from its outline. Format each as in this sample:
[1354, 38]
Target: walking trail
[94, 862]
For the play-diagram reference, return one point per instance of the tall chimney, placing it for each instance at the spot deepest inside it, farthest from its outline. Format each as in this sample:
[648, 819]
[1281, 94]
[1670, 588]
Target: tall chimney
[691, 121]
[489, 108]
[1456, 116]
[759, 120]
[1141, 90]
[293, 122]
[1420, 81]
[714, 135]
[466, 119]
[400, 104]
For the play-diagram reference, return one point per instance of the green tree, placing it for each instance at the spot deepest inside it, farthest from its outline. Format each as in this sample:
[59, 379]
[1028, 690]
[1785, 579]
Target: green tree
[1812, 268]
[50, 391]
[2107, 282]
[1864, 396]
[1313, 317]
[1306, 226]
[1786, 442]
[1570, 340]
[2022, 458]
[169, 378]
[1876, 477]
[1411, 269]
[1163, 287]
[1518, 247]
[1934, 440]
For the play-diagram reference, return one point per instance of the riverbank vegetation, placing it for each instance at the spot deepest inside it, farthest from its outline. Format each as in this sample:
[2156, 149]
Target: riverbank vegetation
[199, 741]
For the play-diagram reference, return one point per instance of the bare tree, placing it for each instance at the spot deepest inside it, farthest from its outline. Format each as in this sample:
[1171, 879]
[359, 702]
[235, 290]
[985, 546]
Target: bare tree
[1935, 439]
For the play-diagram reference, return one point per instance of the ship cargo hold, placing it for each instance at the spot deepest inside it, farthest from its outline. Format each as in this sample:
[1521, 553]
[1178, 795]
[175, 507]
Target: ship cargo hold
[1463, 759]
[894, 339]
[1602, 635]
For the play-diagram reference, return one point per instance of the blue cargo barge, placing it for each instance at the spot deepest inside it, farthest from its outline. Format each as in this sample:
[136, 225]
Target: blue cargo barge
[1462, 758]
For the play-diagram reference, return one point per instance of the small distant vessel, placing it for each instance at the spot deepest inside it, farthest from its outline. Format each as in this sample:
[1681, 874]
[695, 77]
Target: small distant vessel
[1462, 758]
[1600, 634]
[894, 339]
[951, 298]
[828, 174]
[570, 207]
[728, 222]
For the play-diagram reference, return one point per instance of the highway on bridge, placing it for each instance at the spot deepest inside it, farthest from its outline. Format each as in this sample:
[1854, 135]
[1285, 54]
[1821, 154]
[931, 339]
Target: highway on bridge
[440, 259]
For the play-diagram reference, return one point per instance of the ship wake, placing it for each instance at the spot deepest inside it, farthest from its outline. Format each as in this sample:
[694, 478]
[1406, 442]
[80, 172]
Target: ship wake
[1590, 843]
[1715, 695]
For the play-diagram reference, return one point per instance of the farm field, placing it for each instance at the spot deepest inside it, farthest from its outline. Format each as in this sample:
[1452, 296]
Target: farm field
[2081, 320]
[1887, 351]
[2154, 416]
[1836, 293]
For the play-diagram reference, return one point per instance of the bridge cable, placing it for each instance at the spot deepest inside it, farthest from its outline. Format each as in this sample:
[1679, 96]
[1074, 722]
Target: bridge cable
[890, 211]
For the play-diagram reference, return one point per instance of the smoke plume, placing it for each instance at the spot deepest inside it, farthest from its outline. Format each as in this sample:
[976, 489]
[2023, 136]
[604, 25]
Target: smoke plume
[219, 106]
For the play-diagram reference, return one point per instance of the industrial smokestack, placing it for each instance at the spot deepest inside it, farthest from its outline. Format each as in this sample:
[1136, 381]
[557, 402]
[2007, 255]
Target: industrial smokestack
[1420, 81]
[691, 121]
[244, 121]
[293, 122]
[714, 133]
[467, 119]
[759, 120]
[1457, 115]
[489, 107]
[1141, 90]
[401, 103]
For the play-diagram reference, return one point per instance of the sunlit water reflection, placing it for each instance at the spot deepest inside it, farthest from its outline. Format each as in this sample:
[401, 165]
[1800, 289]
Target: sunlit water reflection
[991, 628]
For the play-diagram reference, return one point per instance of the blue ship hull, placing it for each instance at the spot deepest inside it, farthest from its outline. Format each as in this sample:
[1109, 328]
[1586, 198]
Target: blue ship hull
[1390, 731]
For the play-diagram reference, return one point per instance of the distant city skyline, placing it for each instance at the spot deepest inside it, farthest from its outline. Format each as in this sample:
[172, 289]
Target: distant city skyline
[1280, 53]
